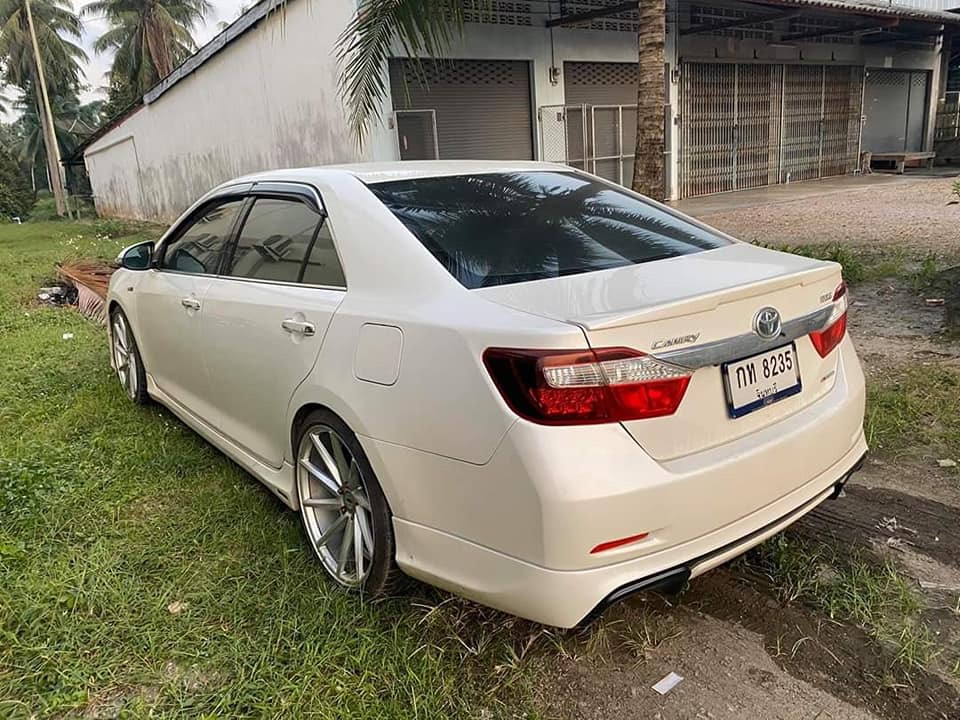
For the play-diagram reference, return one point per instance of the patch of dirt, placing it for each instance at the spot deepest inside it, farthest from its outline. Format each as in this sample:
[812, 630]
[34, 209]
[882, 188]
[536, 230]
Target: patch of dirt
[109, 704]
[889, 517]
[728, 675]
[910, 214]
[934, 578]
[836, 657]
[891, 325]
[921, 536]
[916, 478]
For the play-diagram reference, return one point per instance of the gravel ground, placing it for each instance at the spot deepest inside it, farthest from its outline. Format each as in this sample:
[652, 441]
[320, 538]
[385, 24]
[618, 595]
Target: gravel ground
[913, 215]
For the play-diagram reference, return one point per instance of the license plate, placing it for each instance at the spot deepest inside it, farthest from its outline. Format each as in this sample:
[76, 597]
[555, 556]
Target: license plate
[761, 379]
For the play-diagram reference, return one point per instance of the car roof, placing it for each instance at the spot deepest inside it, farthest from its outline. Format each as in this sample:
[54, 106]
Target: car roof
[374, 172]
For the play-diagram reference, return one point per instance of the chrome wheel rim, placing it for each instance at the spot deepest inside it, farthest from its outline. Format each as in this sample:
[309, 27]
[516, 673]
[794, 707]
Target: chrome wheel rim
[335, 505]
[124, 357]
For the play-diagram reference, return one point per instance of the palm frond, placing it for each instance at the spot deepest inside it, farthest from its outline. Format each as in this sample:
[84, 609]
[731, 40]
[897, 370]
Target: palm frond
[421, 27]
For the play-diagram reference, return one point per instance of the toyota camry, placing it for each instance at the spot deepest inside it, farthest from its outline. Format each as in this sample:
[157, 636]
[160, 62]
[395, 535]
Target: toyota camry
[515, 381]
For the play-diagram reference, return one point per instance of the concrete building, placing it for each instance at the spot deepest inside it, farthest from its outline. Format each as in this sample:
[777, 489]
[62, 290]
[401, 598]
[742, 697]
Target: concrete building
[759, 92]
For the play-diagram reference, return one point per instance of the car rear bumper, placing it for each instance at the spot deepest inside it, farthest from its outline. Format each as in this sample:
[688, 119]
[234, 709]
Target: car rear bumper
[517, 532]
[566, 598]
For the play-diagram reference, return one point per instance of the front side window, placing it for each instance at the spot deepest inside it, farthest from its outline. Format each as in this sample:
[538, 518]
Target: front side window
[198, 249]
[275, 240]
[502, 228]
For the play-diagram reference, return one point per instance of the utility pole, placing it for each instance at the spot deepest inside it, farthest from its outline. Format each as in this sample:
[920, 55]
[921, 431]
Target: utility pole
[46, 118]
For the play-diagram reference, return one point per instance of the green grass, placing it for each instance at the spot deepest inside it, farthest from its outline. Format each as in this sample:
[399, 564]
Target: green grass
[915, 407]
[857, 266]
[110, 513]
[852, 588]
[45, 209]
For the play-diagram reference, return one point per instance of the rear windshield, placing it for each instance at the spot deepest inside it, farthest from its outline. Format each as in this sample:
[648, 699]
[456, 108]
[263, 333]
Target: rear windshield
[496, 229]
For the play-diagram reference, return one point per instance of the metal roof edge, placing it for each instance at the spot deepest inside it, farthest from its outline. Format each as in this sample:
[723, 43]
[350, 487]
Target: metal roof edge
[877, 8]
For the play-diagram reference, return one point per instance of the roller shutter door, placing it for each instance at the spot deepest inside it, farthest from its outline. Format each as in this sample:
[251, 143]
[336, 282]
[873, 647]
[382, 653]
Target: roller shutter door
[481, 109]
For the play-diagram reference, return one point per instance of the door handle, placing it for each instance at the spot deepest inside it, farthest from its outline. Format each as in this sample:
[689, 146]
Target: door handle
[190, 303]
[300, 327]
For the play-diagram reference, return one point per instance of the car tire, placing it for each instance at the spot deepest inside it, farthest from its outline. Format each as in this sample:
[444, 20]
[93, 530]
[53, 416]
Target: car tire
[342, 501]
[127, 361]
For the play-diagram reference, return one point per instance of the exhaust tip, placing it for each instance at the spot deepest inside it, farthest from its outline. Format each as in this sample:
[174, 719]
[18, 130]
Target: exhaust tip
[669, 583]
[841, 483]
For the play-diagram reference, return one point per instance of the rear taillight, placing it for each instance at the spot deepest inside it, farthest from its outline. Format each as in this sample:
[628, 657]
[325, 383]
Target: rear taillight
[564, 387]
[836, 326]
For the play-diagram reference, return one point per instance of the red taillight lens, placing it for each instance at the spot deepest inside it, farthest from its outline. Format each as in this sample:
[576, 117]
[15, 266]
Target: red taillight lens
[585, 386]
[824, 341]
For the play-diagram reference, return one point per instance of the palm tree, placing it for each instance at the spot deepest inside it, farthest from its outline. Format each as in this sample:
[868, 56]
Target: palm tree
[56, 25]
[73, 121]
[648, 162]
[149, 38]
[424, 28]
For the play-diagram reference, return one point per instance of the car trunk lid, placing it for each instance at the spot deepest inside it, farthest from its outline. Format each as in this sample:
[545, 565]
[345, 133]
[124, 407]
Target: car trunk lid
[697, 311]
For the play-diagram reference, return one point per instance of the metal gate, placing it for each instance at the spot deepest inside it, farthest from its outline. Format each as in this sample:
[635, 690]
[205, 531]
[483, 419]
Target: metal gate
[596, 138]
[746, 125]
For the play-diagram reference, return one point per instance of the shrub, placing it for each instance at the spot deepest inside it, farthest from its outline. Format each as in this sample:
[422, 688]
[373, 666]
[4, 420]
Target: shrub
[16, 196]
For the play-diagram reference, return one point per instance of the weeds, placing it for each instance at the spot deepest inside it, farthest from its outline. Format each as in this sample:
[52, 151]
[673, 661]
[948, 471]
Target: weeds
[854, 267]
[915, 406]
[926, 275]
[849, 588]
[858, 266]
[643, 635]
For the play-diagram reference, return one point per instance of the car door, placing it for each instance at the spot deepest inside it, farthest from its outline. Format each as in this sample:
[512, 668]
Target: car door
[170, 304]
[265, 316]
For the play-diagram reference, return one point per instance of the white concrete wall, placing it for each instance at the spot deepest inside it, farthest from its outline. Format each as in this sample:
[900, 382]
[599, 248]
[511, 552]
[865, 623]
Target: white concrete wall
[267, 100]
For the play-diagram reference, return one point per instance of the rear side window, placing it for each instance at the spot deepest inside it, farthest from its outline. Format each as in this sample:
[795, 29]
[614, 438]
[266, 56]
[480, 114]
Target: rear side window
[274, 241]
[198, 249]
[502, 228]
[323, 265]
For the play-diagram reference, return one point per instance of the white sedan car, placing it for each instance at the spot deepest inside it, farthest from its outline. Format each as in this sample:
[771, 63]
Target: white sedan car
[515, 381]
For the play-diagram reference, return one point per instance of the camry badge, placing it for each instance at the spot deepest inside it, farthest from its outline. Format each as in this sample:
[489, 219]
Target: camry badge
[767, 324]
[670, 342]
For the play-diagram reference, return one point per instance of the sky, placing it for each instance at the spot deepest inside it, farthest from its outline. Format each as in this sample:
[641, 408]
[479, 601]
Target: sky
[98, 65]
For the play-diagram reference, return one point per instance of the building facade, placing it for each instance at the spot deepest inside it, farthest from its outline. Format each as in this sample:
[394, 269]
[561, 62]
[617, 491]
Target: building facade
[757, 94]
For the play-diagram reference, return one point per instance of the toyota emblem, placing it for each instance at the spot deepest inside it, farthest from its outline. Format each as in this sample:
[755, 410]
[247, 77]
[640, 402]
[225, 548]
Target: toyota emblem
[766, 323]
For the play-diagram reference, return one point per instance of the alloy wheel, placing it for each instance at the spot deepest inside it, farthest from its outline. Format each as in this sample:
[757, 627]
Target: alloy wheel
[335, 505]
[125, 355]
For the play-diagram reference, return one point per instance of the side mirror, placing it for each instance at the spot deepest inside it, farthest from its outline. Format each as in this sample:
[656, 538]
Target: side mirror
[137, 257]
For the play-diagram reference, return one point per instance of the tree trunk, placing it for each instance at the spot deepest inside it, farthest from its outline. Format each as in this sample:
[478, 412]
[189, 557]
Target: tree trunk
[158, 46]
[50, 162]
[46, 119]
[648, 167]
